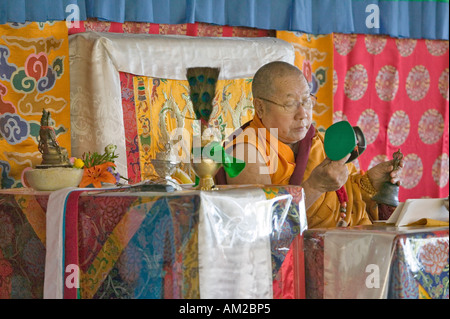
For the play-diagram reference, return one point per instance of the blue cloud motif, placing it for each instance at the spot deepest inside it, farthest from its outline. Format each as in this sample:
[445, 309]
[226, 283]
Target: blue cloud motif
[13, 128]
[314, 84]
[6, 181]
[58, 66]
[21, 82]
[48, 82]
[6, 69]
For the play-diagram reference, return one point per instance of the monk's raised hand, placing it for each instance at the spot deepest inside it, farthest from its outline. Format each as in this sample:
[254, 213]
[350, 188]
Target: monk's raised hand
[329, 175]
[384, 172]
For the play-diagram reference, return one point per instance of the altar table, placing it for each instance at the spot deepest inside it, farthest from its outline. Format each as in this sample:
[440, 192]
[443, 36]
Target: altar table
[377, 261]
[146, 245]
[124, 244]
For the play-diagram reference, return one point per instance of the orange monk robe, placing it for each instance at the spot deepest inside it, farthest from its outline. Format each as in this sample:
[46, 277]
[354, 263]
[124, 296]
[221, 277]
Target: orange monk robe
[280, 160]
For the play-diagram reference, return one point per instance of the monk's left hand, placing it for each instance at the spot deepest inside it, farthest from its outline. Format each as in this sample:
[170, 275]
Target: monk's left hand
[384, 172]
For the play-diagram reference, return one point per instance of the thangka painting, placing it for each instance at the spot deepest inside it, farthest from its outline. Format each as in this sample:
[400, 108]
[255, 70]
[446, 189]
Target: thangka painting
[159, 110]
[34, 65]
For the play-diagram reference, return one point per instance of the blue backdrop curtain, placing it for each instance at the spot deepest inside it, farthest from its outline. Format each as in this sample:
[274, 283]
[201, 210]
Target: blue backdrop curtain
[427, 19]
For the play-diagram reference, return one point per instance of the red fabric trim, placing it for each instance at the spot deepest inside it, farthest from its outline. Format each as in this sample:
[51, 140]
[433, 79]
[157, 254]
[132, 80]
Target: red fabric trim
[227, 31]
[192, 29]
[299, 268]
[301, 160]
[290, 280]
[71, 240]
[154, 28]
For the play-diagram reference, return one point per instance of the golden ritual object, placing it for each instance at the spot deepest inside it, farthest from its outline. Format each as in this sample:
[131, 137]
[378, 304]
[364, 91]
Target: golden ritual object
[202, 83]
[55, 171]
[388, 193]
[205, 168]
[53, 155]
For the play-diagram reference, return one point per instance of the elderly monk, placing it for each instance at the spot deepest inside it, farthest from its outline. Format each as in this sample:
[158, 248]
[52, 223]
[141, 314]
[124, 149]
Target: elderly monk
[281, 146]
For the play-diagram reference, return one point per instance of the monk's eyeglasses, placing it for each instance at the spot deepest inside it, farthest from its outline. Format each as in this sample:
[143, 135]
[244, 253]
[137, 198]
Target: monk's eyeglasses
[293, 107]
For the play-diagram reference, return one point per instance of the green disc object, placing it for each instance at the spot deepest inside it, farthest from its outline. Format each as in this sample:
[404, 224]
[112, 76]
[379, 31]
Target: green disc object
[340, 140]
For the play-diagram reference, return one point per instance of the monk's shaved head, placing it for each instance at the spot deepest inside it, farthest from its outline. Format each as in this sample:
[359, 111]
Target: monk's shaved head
[267, 75]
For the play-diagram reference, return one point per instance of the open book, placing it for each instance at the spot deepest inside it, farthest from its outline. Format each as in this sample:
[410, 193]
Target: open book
[415, 209]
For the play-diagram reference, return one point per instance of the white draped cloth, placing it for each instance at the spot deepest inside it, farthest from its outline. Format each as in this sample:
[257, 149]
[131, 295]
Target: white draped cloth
[234, 242]
[234, 251]
[97, 58]
[357, 264]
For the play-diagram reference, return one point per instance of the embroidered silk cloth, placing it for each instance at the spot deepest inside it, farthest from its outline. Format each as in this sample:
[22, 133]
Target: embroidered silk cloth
[417, 260]
[137, 245]
[117, 234]
[190, 29]
[146, 245]
[22, 244]
[396, 91]
[34, 64]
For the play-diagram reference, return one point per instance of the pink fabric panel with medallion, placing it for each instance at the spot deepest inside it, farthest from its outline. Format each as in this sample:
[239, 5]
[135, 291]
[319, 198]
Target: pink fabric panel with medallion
[396, 91]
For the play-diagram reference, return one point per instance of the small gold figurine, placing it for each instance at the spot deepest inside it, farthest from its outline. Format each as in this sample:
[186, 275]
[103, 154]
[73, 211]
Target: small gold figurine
[53, 155]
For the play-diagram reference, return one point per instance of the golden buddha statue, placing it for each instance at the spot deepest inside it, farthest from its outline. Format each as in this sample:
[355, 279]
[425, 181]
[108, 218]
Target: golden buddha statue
[53, 155]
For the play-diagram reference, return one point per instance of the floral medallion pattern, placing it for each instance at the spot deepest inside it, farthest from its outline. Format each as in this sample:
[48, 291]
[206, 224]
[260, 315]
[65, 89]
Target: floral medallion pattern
[404, 82]
[443, 84]
[437, 48]
[440, 170]
[343, 43]
[398, 128]
[424, 273]
[387, 83]
[406, 46]
[370, 125]
[375, 44]
[418, 83]
[356, 82]
[431, 126]
[412, 171]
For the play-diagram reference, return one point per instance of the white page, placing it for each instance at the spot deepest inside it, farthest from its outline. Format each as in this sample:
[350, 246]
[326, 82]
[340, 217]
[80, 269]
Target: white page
[416, 209]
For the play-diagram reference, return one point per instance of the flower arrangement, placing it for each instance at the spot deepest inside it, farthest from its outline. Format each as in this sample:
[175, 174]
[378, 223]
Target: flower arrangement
[98, 168]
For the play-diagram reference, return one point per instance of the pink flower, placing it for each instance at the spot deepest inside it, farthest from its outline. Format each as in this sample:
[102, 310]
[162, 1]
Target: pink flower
[307, 70]
[434, 256]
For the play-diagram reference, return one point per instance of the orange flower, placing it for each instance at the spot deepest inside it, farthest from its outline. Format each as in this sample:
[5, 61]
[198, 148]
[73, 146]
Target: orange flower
[98, 174]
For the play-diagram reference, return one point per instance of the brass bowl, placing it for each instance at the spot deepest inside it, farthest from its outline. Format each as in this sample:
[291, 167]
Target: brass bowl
[51, 179]
[205, 169]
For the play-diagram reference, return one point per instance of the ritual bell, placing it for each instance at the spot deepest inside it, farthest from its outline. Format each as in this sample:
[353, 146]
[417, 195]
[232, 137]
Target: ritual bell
[388, 194]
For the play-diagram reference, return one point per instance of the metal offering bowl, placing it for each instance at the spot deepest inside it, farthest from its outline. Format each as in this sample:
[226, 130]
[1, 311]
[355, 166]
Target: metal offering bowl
[164, 168]
[205, 169]
[51, 179]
